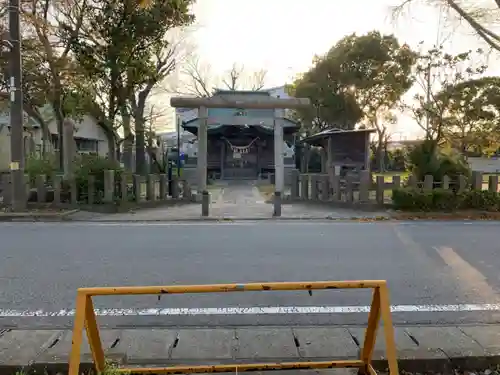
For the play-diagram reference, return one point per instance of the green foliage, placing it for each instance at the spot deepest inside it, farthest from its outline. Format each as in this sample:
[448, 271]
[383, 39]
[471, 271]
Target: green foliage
[428, 159]
[437, 68]
[93, 165]
[38, 165]
[360, 77]
[471, 110]
[415, 199]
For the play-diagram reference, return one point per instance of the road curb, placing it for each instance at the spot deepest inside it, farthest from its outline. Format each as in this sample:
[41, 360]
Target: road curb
[37, 216]
[441, 365]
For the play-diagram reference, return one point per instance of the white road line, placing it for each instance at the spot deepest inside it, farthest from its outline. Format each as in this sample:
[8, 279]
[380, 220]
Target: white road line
[254, 310]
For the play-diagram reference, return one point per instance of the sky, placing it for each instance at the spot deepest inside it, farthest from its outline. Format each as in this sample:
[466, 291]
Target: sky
[282, 36]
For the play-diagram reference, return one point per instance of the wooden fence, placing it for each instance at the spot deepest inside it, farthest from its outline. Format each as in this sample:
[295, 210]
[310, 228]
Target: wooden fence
[378, 190]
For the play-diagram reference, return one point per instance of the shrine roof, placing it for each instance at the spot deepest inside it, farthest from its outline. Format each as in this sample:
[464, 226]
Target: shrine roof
[315, 139]
[219, 129]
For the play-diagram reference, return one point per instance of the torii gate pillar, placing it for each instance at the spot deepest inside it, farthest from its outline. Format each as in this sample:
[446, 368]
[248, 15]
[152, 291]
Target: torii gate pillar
[278, 105]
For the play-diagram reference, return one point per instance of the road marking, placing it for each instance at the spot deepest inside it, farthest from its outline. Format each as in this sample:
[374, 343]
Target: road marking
[469, 277]
[253, 310]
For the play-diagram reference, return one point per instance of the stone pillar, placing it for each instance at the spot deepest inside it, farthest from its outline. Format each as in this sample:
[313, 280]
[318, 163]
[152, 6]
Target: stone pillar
[205, 204]
[324, 160]
[329, 160]
[124, 187]
[367, 151]
[109, 186]
[202, 159]
[175, 187]
[137, 181]
[279, 167]
[364, 186]
[325, 188]
[477, 180]
[56, 183]
[295, 184]
[222, 157]
[69, 147]
[150, 187]
[350, 189]
[335, 188]
[380, 186]
[314, 187]
[428, 182]
[163, 186]
[91, 189]
[41, 191]
[304, 187]
[493, 183]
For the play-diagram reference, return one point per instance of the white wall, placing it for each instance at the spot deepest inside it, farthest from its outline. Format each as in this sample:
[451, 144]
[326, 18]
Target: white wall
[486, 165]
[88, 128]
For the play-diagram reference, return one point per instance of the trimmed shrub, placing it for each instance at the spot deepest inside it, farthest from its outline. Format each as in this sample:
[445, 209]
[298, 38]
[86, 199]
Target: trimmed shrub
[412, 199]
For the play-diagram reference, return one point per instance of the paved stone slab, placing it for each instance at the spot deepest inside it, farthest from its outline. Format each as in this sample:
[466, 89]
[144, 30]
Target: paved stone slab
[451, 340]
[20, 347]
[404, 344]
[204, 343]
[326, 342]
[487, 336]
[141, 344]
[60, 351]
[266, 343]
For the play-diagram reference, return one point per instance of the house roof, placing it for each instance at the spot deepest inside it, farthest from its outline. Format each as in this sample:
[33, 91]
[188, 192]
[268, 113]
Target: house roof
[316, 139]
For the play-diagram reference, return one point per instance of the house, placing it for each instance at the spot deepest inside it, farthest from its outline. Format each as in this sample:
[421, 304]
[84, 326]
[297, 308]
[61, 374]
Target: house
[89, 136]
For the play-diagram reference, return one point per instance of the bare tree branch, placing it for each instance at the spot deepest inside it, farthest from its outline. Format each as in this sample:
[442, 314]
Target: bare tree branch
[197, 78]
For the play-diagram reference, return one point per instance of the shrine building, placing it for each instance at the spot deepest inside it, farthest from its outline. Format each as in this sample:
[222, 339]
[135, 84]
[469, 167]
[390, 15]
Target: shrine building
[240, 141]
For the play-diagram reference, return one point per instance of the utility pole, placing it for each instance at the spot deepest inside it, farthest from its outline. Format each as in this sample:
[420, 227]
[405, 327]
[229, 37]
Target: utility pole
[178, 122]
[16, 110]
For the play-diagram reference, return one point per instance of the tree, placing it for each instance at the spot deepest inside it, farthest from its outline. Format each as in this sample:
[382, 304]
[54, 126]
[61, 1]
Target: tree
[333, 104]
[378, 69]
[481, 17]
[471, 112]
[125, 51]
[51, 75]
[436, 71]
[198, 79]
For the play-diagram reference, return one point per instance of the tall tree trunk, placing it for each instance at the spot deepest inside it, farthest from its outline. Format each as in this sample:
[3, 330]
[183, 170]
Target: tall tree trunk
[128, 141]
[140, 146]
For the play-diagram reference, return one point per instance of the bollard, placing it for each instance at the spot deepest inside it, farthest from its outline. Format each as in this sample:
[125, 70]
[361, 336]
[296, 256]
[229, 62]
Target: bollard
[205, 203]
[277, 204]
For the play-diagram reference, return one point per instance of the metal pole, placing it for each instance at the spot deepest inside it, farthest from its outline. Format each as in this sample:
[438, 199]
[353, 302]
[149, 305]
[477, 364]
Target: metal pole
[178, 146]
[16, 110]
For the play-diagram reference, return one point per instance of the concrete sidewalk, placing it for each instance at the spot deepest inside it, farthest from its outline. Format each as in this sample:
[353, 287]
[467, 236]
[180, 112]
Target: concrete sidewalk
[420, 348]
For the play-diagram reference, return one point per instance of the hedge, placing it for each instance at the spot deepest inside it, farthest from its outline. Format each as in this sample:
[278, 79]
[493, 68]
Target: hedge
[414, 199]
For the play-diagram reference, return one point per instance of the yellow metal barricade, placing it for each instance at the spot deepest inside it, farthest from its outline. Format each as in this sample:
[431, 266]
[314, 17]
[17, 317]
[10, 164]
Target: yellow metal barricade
[380, 309]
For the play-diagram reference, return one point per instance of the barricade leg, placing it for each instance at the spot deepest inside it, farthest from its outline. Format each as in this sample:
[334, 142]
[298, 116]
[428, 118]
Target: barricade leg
[390, 345]
[371, 333]
[93, 336]
[76, 341]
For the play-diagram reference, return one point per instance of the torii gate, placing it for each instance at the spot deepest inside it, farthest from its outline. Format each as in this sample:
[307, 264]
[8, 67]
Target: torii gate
[214, 102]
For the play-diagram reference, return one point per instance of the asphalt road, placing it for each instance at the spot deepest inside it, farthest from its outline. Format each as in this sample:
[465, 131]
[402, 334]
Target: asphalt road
[425, 264]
